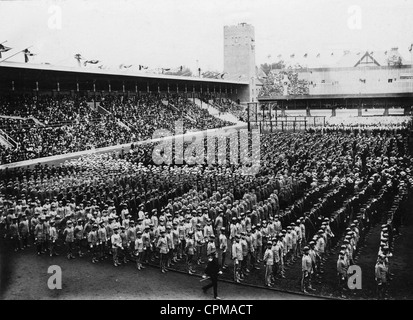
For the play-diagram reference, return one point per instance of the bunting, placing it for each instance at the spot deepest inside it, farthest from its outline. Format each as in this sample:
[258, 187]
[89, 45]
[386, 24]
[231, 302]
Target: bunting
[4, 49]
[91, 62]
[27, 54]
[122, 66]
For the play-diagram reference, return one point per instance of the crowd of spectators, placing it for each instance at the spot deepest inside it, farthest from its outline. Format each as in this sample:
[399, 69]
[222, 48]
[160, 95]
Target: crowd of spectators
[277, 80]
[370, 123]
[223, 105]
[68, 125]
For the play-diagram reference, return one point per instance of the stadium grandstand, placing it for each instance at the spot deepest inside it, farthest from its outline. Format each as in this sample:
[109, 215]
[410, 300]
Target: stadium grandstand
[80, 109]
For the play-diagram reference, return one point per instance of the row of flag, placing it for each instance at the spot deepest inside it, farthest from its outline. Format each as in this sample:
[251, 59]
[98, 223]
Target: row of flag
[346, 52]
[79, 57]
[213, 75]
[81, 60]
[26, 52]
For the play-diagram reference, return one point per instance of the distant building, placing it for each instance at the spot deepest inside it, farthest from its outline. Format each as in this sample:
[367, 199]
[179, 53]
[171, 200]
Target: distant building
[382, 72]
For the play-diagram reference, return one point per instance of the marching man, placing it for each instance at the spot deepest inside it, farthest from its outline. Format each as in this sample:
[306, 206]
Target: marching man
[307, 269]
[52, 238]
[93, 242]
[269, 261]
[140, 248]
[69, 233]
[116, 242]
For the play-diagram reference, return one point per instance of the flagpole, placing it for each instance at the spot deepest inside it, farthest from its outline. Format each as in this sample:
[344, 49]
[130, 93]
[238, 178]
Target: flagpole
[1, 44]
[15, 54]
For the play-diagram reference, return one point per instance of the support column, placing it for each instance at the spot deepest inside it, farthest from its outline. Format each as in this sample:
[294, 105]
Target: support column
[256, 112]
[94, 93]
[308, 110]
[248, 116]
[386, 109]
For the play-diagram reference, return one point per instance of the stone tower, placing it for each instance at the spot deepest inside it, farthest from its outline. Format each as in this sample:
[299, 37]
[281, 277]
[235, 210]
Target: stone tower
[239, 56]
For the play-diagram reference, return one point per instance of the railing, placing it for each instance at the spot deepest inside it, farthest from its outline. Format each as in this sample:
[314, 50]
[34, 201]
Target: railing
[288, 123]
[8, 139]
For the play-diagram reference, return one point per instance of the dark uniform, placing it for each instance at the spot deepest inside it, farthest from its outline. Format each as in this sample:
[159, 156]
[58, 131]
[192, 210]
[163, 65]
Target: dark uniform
[212, 270]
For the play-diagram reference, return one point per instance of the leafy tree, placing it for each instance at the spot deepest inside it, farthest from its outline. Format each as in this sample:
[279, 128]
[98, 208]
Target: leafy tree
[273, 66]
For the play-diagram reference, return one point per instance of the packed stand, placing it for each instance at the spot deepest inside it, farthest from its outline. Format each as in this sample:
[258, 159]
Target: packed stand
[276, 81]
[223, 105]
[68, 125]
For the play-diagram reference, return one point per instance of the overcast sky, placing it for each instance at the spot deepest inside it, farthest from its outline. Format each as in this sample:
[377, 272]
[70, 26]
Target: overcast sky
[170, 33]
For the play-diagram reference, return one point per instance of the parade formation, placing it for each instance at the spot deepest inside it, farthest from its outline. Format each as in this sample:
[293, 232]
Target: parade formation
[314, 193]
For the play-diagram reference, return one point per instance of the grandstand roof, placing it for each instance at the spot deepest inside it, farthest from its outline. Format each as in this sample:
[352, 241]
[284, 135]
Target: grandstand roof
[45, 73]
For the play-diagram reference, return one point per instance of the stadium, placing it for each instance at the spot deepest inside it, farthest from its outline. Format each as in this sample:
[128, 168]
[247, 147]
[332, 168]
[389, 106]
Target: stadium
[289, 178]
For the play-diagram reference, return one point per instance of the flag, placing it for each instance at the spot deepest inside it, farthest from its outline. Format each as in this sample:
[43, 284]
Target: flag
[332, 53]
[318, 55]
[91, 62]
[411, 47]
[269, 57]
[142, 67]
[78, 57]
[358, 53]
[4, 49]
[122, 66]
[279, 56]
[305, 56]
[385, 52]
[27, 54]
[292, 56]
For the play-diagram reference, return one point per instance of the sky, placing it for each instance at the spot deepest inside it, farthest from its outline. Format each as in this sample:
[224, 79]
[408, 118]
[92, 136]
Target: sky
[170, 33]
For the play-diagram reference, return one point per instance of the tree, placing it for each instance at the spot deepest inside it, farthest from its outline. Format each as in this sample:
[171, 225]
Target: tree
[273, 66]
[395, 61]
